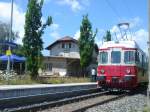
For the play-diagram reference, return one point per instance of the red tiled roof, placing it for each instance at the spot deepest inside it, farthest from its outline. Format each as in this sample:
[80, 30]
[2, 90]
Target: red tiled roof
[64, 39]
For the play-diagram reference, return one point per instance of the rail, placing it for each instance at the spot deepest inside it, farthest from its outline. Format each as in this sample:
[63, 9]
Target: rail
[29, 102]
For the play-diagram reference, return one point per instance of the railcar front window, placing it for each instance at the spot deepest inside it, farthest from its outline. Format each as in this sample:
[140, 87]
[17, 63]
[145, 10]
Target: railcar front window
[103, 57]
[129, 57]
[115, 57]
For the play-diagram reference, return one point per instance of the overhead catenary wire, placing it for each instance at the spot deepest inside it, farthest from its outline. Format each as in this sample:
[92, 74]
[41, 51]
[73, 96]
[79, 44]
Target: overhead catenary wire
[130, 14]
[127, 8]
[113, 9]
[117, 14]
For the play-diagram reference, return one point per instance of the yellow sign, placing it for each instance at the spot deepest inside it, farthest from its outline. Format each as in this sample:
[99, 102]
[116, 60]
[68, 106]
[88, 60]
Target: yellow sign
[8, 52]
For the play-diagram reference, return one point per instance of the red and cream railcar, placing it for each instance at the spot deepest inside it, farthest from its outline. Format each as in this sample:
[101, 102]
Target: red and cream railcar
[121, 65]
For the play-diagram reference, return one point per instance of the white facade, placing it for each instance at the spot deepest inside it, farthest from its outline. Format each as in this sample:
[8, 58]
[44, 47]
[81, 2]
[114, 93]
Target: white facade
[65, 49]
[64, 58]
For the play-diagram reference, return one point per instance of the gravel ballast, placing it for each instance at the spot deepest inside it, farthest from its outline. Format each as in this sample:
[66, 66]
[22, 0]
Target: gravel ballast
[134, 103]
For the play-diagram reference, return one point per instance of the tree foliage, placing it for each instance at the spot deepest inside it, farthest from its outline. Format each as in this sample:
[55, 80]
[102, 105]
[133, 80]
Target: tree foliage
[18, 51]
[5, 36]
[96, 49]
[86, 42]
[32, 41]
[5, 32]
[108, 36]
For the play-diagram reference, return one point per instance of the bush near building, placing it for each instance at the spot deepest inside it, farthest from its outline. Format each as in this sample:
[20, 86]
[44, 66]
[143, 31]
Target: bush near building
[26, 79]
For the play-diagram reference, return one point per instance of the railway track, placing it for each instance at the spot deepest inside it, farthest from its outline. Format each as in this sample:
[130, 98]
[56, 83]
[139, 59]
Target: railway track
[35, 102]
[83, 105]
[92, 101]
[67, 100]
[68, 104]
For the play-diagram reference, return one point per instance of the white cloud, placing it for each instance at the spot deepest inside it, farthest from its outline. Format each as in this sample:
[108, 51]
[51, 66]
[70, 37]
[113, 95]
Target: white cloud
[54, 26]
[141, 37]
[99, 43]
[77, 35]
[135, 22]
[54, 31]
[114, 29]
[55, 35]
[75, 5]
[46, 1]
[99, 36]
[18, 18]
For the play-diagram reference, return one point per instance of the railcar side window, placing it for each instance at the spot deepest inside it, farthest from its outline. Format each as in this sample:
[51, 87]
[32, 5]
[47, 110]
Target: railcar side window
[103, 57]
[129, 57]
[115, 57]
[137, 57]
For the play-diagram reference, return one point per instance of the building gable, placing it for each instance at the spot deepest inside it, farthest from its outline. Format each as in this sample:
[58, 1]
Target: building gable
[66, 47]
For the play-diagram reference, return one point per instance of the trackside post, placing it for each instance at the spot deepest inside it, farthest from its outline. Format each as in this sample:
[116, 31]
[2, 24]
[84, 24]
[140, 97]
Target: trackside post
[148, 90]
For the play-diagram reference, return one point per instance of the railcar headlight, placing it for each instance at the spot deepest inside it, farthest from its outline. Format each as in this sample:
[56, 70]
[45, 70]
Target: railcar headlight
[128, 71]
[102, 71]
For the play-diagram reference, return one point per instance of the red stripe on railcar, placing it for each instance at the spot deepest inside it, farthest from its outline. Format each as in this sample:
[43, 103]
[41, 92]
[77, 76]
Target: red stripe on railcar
[119, 72]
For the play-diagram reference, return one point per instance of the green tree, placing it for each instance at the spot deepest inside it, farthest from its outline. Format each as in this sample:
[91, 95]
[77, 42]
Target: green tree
[86, 42]
[5, 32]
[18, 51]
[108, 36]
[32, 41]
[5, 36]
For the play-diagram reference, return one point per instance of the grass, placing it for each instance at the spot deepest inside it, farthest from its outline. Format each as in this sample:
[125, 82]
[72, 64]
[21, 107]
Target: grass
[146, 109]
[62, 80]
[26, 79]
[18, 80]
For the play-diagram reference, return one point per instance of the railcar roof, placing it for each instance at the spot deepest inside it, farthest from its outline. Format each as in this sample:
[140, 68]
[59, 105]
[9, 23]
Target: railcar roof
[121, 44]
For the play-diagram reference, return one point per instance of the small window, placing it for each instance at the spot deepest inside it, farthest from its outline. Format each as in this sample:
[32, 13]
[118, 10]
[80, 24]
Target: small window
[140, 56]
[73, 45]
[69, 45]
[63, 45]
[48, 66]
[115, 57]
[129, 57]
[143, 61]
[103, 57]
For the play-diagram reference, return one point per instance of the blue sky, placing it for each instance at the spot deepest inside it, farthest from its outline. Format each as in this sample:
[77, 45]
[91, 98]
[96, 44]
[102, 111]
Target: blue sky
[67, 16]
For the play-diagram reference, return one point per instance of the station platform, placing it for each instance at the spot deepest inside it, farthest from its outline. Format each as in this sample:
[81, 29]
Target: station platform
[10, 91]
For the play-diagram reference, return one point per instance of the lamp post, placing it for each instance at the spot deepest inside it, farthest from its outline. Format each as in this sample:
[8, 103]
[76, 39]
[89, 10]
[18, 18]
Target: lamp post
[10, 35]
[148, 91]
